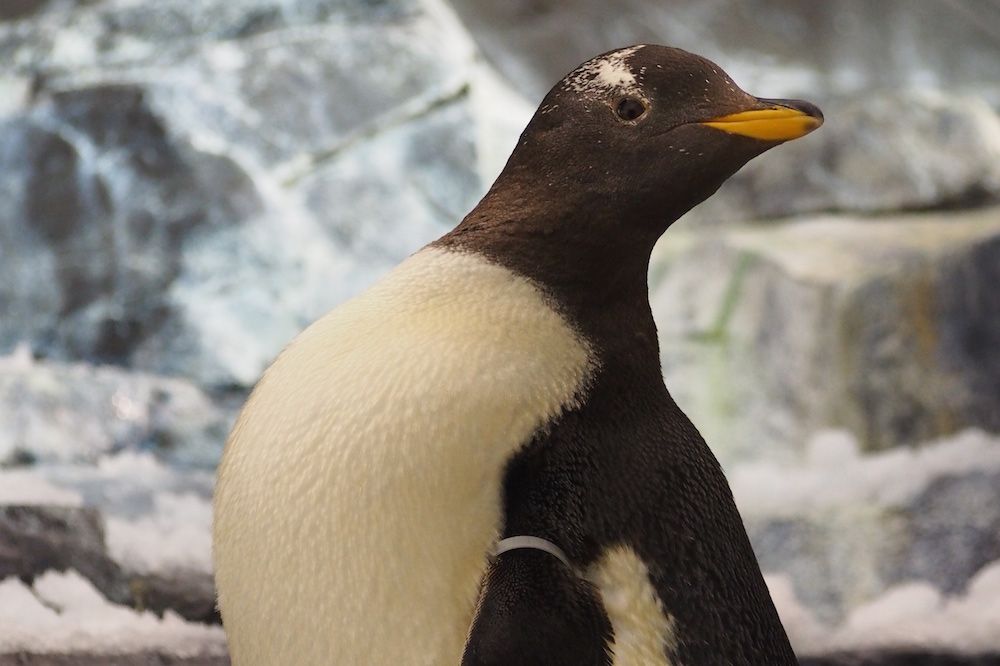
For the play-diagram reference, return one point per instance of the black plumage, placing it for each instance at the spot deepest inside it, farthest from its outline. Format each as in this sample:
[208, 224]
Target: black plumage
[599, 174]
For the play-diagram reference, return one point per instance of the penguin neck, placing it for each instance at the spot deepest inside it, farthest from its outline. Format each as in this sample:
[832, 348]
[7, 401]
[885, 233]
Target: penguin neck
[590, 257]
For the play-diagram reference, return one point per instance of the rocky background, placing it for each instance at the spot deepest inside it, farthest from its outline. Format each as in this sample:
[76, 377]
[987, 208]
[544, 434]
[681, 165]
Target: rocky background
[185, 185]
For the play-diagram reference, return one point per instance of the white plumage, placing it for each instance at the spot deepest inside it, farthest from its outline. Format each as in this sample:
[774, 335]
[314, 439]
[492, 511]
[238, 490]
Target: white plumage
[359, 493]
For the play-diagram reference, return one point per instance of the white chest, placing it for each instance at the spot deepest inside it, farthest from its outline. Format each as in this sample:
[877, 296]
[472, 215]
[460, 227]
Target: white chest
[360, 488]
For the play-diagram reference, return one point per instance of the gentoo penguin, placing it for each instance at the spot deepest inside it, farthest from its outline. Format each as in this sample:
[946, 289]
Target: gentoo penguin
[476, 461]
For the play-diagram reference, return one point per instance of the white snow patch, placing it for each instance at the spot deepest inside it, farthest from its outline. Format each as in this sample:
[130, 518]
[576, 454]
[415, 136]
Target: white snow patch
[73, 48]
[604, 74]
[65, 614]
[15, 92]
[834, 473]
[26, 486]
[910, 615]
[177, 535]
[78, 412]
[20, 610]
[141, 467]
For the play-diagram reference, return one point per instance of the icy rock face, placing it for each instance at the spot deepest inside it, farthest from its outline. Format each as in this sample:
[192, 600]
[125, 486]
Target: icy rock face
[773, 47]
[885, 327]
[56, 412]
[186, 176]
[74, 34]
[101, 203]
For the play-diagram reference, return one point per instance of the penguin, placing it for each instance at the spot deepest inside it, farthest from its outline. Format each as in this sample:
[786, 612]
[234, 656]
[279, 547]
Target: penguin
[476, 461]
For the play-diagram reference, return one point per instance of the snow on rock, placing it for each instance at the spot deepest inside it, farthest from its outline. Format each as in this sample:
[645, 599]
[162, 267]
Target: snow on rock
[65, 412]
[125, 484]
[157, 518]
[156, 572]
[25, 486]
[64, 613]
[143, 535]
[176, 535]
[19, 605]
[845, 528]
[833, 473]
[912, 615]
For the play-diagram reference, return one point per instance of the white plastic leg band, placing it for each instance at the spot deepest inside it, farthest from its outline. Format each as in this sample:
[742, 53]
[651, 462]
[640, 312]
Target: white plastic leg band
[532, 543]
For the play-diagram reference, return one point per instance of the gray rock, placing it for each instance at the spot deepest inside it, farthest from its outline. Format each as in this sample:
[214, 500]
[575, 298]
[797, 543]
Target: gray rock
[837, 558]
[827, 557]
[954, 529]
[267, 79]
[769, 334]
[19, 9]
[190, 594]
[34, 539]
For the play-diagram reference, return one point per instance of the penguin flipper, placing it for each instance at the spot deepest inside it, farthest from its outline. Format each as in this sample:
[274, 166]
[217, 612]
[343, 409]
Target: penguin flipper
[534, 611]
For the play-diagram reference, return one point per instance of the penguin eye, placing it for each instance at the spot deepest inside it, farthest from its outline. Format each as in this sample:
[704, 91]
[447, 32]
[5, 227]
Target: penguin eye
[630, 109]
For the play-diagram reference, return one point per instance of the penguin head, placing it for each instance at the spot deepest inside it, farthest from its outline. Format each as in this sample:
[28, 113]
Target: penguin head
[647, 132]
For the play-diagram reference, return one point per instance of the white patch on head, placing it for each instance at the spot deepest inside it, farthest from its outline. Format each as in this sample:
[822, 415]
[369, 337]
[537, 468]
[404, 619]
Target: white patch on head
[644, 632]
[605, 74]
[360, 490]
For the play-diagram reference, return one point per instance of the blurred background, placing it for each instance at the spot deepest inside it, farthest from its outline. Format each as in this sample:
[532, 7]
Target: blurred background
[185, 185]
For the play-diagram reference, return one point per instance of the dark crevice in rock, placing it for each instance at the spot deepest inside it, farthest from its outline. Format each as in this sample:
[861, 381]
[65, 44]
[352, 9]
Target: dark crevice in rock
[910, 657]
[407, 113]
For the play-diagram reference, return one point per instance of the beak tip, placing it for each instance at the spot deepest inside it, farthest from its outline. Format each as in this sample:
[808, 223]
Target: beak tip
[802, 106]
[813, 111]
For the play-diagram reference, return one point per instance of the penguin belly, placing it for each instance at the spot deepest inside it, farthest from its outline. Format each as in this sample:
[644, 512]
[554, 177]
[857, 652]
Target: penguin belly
[360, 489]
